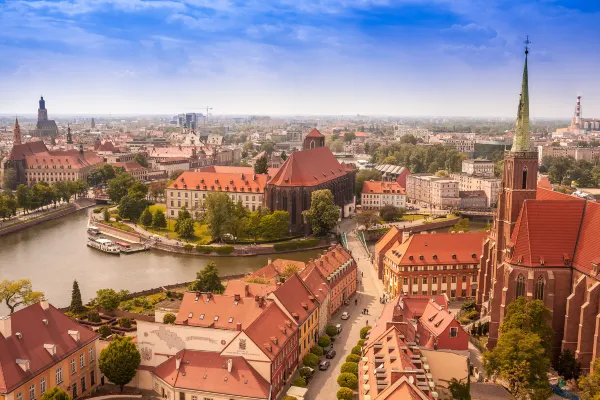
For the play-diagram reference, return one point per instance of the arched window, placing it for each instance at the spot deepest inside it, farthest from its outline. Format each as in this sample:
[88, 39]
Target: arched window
[520, 291]
[312, 144]
[524, 183]
[540, 285]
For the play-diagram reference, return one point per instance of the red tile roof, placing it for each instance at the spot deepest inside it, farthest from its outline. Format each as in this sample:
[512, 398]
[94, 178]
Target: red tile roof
[205, 372]
[73, 158]
[309, 168]
[588, 246]
[296, 298]
[393, 235]
[548, 194]
[381, 187]
[413, 306]
[544, 183]
[545, 232]
[226, 182]
[219, 311]
[439, 248]
[315, 133]
[272, 323]
[435, 318]
[330, 260]
[20, 151]
[235, 170]
[246, 289]
[37, 327]
[274, 270]
[315, 283]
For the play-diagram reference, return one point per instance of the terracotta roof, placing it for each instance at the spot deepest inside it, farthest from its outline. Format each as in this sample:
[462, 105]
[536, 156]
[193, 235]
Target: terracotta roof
[330, 260]
[226, 182]
[315, 133]
[361, 134]
[235, 170]
[296, 298]
[309, 168]
[20, 151]
[413, 306]
[205, 372]
[315, 283]
[219, 311]
[544, 183]
[439, 248]
[37, 327]
[271, 324]
[435, 318]
[381, 187]
[548, 194]
[246, 289]
[73, 158]
[394, 234]
[545, 232]
[129, 166]
[275, 269]
[107, 146]
[588, 250]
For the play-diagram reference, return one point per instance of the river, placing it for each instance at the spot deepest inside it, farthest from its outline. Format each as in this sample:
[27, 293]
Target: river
[54, 253]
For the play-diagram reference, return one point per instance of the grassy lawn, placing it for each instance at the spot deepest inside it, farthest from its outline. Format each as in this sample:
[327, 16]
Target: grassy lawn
[120, 225]
[412, 217]
[155, 207]
[142, 304]
[201, 234]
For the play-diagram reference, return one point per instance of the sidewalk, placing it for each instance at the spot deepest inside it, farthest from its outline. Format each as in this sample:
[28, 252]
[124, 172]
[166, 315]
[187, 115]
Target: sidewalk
[324, 383]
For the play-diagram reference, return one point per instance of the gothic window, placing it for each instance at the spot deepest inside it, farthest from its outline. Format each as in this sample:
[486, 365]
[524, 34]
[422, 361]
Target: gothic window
[312, 144]
[520, 291]
[284, 202]
[524, 183]
[293, 208]
[539, 288]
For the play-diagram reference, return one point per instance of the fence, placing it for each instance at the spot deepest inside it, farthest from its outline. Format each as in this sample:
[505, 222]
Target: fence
[361, 237]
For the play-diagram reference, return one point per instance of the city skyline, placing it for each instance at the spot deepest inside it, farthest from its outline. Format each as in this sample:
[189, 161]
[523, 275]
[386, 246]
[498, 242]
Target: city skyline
[397, 58]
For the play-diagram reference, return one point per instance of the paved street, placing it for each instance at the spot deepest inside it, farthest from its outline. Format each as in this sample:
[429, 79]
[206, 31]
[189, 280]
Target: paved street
[324, 384]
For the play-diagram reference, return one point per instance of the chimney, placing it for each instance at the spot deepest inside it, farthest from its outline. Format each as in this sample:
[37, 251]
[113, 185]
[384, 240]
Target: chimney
[74, 335]
[24, 364]
[236, 297]
[177, 363]
[229, 365]
[247, 290]
[239, 326]
[268, 261]
[44, 304]
[5, 326]
[305, 306]
[51, 348]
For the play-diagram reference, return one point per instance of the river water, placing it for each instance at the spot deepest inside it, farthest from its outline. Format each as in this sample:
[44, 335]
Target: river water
[54, 253]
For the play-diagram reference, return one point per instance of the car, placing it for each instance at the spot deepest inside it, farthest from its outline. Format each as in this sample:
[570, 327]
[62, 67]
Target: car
[324, 365]
[330, 354]
[345, 315]
[339, 328]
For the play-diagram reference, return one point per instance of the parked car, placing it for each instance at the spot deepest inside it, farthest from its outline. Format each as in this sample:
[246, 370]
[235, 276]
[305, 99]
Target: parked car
[324, 365]
[330, 354]
[345, 315]
[339, 328]
[229, 236]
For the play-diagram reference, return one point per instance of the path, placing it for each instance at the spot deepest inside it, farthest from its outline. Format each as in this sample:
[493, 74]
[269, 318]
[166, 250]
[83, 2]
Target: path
[324, 384]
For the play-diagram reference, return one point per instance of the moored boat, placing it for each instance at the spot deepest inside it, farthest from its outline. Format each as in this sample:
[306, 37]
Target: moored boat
[104, 245]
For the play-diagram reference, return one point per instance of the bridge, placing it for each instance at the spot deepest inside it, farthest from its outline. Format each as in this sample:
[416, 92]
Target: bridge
[477, 213]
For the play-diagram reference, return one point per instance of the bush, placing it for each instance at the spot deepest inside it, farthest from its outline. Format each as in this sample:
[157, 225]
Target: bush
[188, 248]
[348, 380]
[352, 358]
[324, 341]
[357, 350]
[93, 316]
[361, 342]
[345, 394]
[105, 331]
[300, 382]
[305, 371]
[125, 322]
[290, 398]
[364, 331]
[98, 210]
[169, 318]
[221, 250]
[317, 351]
[350, 367]
[331, 330]
[296, 244]
[310, 360]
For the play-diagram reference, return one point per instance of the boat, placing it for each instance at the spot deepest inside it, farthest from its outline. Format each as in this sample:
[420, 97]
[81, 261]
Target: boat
[93, 230]
[104, 245]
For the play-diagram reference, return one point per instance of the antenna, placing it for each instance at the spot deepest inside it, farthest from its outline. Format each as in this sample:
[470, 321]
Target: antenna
[527, 43]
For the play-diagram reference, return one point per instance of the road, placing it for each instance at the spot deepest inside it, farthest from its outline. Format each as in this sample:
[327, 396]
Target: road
[324, 384]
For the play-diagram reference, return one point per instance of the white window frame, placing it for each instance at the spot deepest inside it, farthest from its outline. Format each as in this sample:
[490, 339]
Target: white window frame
[59, 376]
[81, 361]
[73, 366]
[42, 386]
[32, 392]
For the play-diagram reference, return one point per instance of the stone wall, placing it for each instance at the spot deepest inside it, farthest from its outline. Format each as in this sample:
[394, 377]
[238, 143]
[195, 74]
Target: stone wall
[68, 209]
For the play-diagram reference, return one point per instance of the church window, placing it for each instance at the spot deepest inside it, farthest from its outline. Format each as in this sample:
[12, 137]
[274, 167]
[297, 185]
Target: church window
[524, 183]
[539, 288]
[520, 290]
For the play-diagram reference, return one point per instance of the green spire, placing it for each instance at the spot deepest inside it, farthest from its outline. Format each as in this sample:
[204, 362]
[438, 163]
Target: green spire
[521, 140]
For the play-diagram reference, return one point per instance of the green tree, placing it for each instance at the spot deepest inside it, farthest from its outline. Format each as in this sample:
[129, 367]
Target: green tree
[261, 166]
[349, 136]
[107, 299]
[24, 197]
[356, 350]
[253, 225]
[218, 213]
[146, 217]
[324, 341]
[589, 385]
[350, 367]
[368, 218]
[104, 331]
[364, 331]
[238, 223]
[345, 394]
[169, 318]
[119, 361]
[310, 360]
[185, 229]
[18, 293]
[119, 186]
[331, 330]
[131, 207]
[268, 147]
[157, 189]
[567, 365]
[299, 382]
[460, 226]
[365, 175]
[323, 214]
[76, 303]
[348, 380]
[283, 156]
[352, 358]
[390, 213]
[207, 280]
[158, 219]
[409, 139]
[141, 159]
[55, 393]
[317, 351]
[275, 225]
[460, 390]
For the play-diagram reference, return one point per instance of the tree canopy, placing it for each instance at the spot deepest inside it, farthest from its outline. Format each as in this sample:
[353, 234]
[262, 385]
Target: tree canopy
[568, 171]
[207, 280]
[323, 214]
[76, 302]
[391, 213]
[120, 360]
[261, 166]
[18, 293]
[107, 299]
[368, 218]
[419, 159]
[55, 393]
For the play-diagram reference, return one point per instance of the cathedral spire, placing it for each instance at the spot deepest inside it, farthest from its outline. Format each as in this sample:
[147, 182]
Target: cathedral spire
[17, 133]
[521, 140]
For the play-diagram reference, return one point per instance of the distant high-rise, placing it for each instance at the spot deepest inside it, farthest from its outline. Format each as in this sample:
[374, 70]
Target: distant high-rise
[93, 124]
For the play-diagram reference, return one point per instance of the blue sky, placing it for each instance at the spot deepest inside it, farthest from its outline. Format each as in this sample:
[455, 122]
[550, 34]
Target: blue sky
[384, 57]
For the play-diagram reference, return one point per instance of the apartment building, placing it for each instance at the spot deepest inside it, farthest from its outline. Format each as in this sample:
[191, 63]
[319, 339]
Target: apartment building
[376, 194]
[478, 167]
[578, 153]
[489, 185]
[439, 192]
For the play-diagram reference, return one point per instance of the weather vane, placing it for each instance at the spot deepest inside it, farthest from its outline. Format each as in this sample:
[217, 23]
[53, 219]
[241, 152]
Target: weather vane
[527, 43]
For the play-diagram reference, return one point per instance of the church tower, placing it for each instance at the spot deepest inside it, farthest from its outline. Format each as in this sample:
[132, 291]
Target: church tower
[313, 140]
[42, 112]
[69, 138]
[17, 133]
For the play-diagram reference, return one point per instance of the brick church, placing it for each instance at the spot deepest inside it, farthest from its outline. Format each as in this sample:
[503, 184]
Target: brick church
[313, 168]
[543, 245]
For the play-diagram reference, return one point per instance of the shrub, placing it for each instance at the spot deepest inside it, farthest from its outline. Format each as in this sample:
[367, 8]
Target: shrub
[221, 250]
[305, 371]
[350, 367]
[188, 248]
[93, 316]
[356, 350]
[300, 382]
[352, 358]
[348, 380]
[105, 331]
[331, 330]
[169, 318]
[361, 342]
[310, 360]
[345, 394]
[364, 331]
[296, 244]
[125, 322]
[98, 210]
[290, 398]
[324, 341]
[317, 351]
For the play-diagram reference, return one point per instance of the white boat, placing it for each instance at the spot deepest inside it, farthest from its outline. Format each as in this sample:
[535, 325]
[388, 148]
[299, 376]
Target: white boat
[104, 245]
[93, 230]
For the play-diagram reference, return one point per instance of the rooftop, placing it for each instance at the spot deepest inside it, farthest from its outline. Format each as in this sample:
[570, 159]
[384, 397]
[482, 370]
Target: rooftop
[381, 187]
[221, 181]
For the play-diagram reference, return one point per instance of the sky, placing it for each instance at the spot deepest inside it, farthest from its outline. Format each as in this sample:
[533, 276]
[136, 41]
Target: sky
[297, 57]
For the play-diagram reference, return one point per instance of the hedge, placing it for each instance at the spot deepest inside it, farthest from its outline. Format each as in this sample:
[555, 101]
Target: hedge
[364, 331]
[348, 380]
[331, 330]
[296, 244]
[317, 351]
[290, 398]
[352, 358]
[345, 394]
[310, 360]
[169, 318]
[357, 350]
[300, 382]
[222, 250]
[324, 341]
[305, 371]
[350, 367]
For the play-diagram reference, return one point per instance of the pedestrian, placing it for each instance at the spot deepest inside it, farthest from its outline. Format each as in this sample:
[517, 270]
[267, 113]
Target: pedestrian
[367, 322]
[355, 302]
[362, 274]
